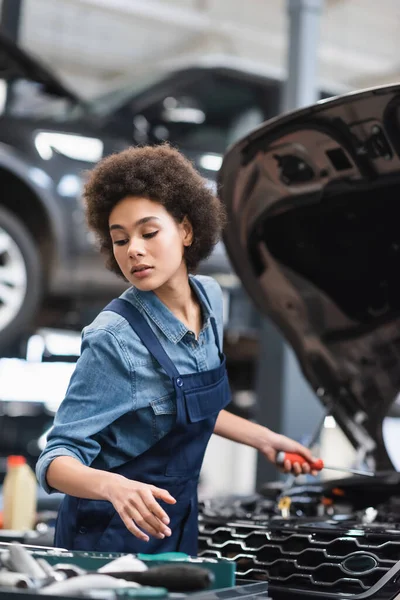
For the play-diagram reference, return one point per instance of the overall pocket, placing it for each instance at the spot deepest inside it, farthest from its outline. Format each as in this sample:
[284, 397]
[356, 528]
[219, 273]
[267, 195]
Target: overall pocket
[92, 519]
[163, 415]
[207, 401]
[202, 407]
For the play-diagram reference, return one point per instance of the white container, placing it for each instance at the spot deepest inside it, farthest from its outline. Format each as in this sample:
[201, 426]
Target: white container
[19, 495]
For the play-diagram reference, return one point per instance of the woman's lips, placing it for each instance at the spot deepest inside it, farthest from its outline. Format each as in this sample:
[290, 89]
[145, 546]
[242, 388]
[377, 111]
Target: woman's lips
[142, 273]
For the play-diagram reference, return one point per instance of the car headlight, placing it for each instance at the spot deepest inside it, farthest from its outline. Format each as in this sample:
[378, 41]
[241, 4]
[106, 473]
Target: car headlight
[77, 147]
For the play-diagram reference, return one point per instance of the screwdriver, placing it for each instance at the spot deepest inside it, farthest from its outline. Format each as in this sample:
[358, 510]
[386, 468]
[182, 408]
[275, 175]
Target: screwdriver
[317, 465]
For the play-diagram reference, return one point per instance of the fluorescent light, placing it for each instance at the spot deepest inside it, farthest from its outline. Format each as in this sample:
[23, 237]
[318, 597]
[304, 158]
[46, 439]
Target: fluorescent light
[211, 162]
[76, 147]
[184, 115]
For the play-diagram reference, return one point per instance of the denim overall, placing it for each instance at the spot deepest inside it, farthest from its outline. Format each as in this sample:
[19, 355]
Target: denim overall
[173, 463]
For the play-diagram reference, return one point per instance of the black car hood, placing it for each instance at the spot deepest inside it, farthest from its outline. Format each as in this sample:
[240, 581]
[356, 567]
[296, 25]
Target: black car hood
[313, 200]
[15, 63]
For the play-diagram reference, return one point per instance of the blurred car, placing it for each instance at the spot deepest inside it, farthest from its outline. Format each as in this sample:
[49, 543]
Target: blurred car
[201, 105]
[47, 258]
[313, 234]
[50, 271]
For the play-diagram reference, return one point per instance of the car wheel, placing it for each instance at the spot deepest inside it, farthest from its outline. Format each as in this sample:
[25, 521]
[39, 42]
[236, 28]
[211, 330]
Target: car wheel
[20, 279]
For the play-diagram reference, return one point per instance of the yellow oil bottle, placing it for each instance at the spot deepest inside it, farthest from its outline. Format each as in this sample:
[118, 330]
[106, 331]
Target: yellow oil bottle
[19, 495]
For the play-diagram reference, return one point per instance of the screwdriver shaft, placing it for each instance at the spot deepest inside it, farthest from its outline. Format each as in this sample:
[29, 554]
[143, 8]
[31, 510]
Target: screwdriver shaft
[353, 471]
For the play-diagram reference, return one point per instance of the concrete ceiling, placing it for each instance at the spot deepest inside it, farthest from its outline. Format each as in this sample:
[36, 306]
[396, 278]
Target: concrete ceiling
[93, 44]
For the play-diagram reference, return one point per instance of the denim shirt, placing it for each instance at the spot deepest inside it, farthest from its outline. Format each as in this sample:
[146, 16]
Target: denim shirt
[119, 401]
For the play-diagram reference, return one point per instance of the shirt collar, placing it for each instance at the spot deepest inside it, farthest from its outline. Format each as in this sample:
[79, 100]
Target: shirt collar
[163, 318]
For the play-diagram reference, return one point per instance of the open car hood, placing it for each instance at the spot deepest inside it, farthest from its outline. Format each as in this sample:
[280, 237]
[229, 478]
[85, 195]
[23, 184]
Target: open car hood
[15, 63]
[313, 201]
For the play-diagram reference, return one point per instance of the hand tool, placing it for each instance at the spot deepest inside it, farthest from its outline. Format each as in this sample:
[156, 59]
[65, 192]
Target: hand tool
[318, 464]
[126, 571]
[291, 478]
[21, 569]
[78, 585]
[175, 578]
[69, 570]
[52, 574]
[17, 558]
[128, 562]
[10, 579]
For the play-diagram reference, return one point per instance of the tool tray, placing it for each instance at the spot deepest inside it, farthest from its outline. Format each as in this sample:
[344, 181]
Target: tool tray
[224, 586]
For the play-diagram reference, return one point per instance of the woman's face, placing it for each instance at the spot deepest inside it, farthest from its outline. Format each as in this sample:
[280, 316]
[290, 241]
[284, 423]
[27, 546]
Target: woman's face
[148, 243]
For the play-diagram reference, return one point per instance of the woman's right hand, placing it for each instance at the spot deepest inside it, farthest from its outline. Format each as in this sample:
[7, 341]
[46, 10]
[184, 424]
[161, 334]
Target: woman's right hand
[136, 505]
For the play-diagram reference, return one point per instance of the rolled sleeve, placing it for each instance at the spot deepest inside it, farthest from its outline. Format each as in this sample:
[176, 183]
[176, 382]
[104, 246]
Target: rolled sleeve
[102, 389]
[44, 462]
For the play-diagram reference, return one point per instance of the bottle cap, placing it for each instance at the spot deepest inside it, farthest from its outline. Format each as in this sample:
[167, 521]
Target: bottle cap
[15, 461]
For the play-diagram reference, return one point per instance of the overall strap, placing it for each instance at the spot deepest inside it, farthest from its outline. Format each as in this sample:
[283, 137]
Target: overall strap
[139, 324]
[213, 323]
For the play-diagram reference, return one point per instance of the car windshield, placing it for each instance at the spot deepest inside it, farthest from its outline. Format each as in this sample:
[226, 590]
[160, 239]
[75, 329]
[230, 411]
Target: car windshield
[199, 110]
[106, 104]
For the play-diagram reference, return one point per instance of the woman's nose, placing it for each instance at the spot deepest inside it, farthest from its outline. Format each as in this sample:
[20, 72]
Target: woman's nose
[136, 247]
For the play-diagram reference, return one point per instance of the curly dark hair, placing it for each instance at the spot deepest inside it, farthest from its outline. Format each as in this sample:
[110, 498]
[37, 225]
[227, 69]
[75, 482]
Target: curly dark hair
[162, 174]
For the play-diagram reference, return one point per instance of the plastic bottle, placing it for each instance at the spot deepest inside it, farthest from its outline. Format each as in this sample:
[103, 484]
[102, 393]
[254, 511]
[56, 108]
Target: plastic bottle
[19, 495]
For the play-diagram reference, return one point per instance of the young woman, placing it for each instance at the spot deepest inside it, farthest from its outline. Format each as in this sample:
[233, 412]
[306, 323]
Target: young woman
[150, 386]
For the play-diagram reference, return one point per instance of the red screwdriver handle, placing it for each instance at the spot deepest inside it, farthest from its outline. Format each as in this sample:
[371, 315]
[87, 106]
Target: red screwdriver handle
[317, 465]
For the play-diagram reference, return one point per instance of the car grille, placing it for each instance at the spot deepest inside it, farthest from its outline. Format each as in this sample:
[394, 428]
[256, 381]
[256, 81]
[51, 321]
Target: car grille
[322, 555]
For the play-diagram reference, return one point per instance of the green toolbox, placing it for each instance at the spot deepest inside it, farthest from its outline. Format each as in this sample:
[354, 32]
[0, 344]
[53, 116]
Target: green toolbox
[223, 570]
[218, 575]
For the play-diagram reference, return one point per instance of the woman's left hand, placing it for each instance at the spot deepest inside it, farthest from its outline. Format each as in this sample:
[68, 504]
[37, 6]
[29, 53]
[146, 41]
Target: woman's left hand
[280, 443]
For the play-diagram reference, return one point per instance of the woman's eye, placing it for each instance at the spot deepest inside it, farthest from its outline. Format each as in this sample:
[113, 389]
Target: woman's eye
[120, 242]
[150, 235]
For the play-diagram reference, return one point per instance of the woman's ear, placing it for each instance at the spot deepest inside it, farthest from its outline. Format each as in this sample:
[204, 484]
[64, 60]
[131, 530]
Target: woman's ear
[187, 232]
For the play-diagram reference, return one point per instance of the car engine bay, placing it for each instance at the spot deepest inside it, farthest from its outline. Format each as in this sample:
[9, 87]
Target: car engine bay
[336, 537]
